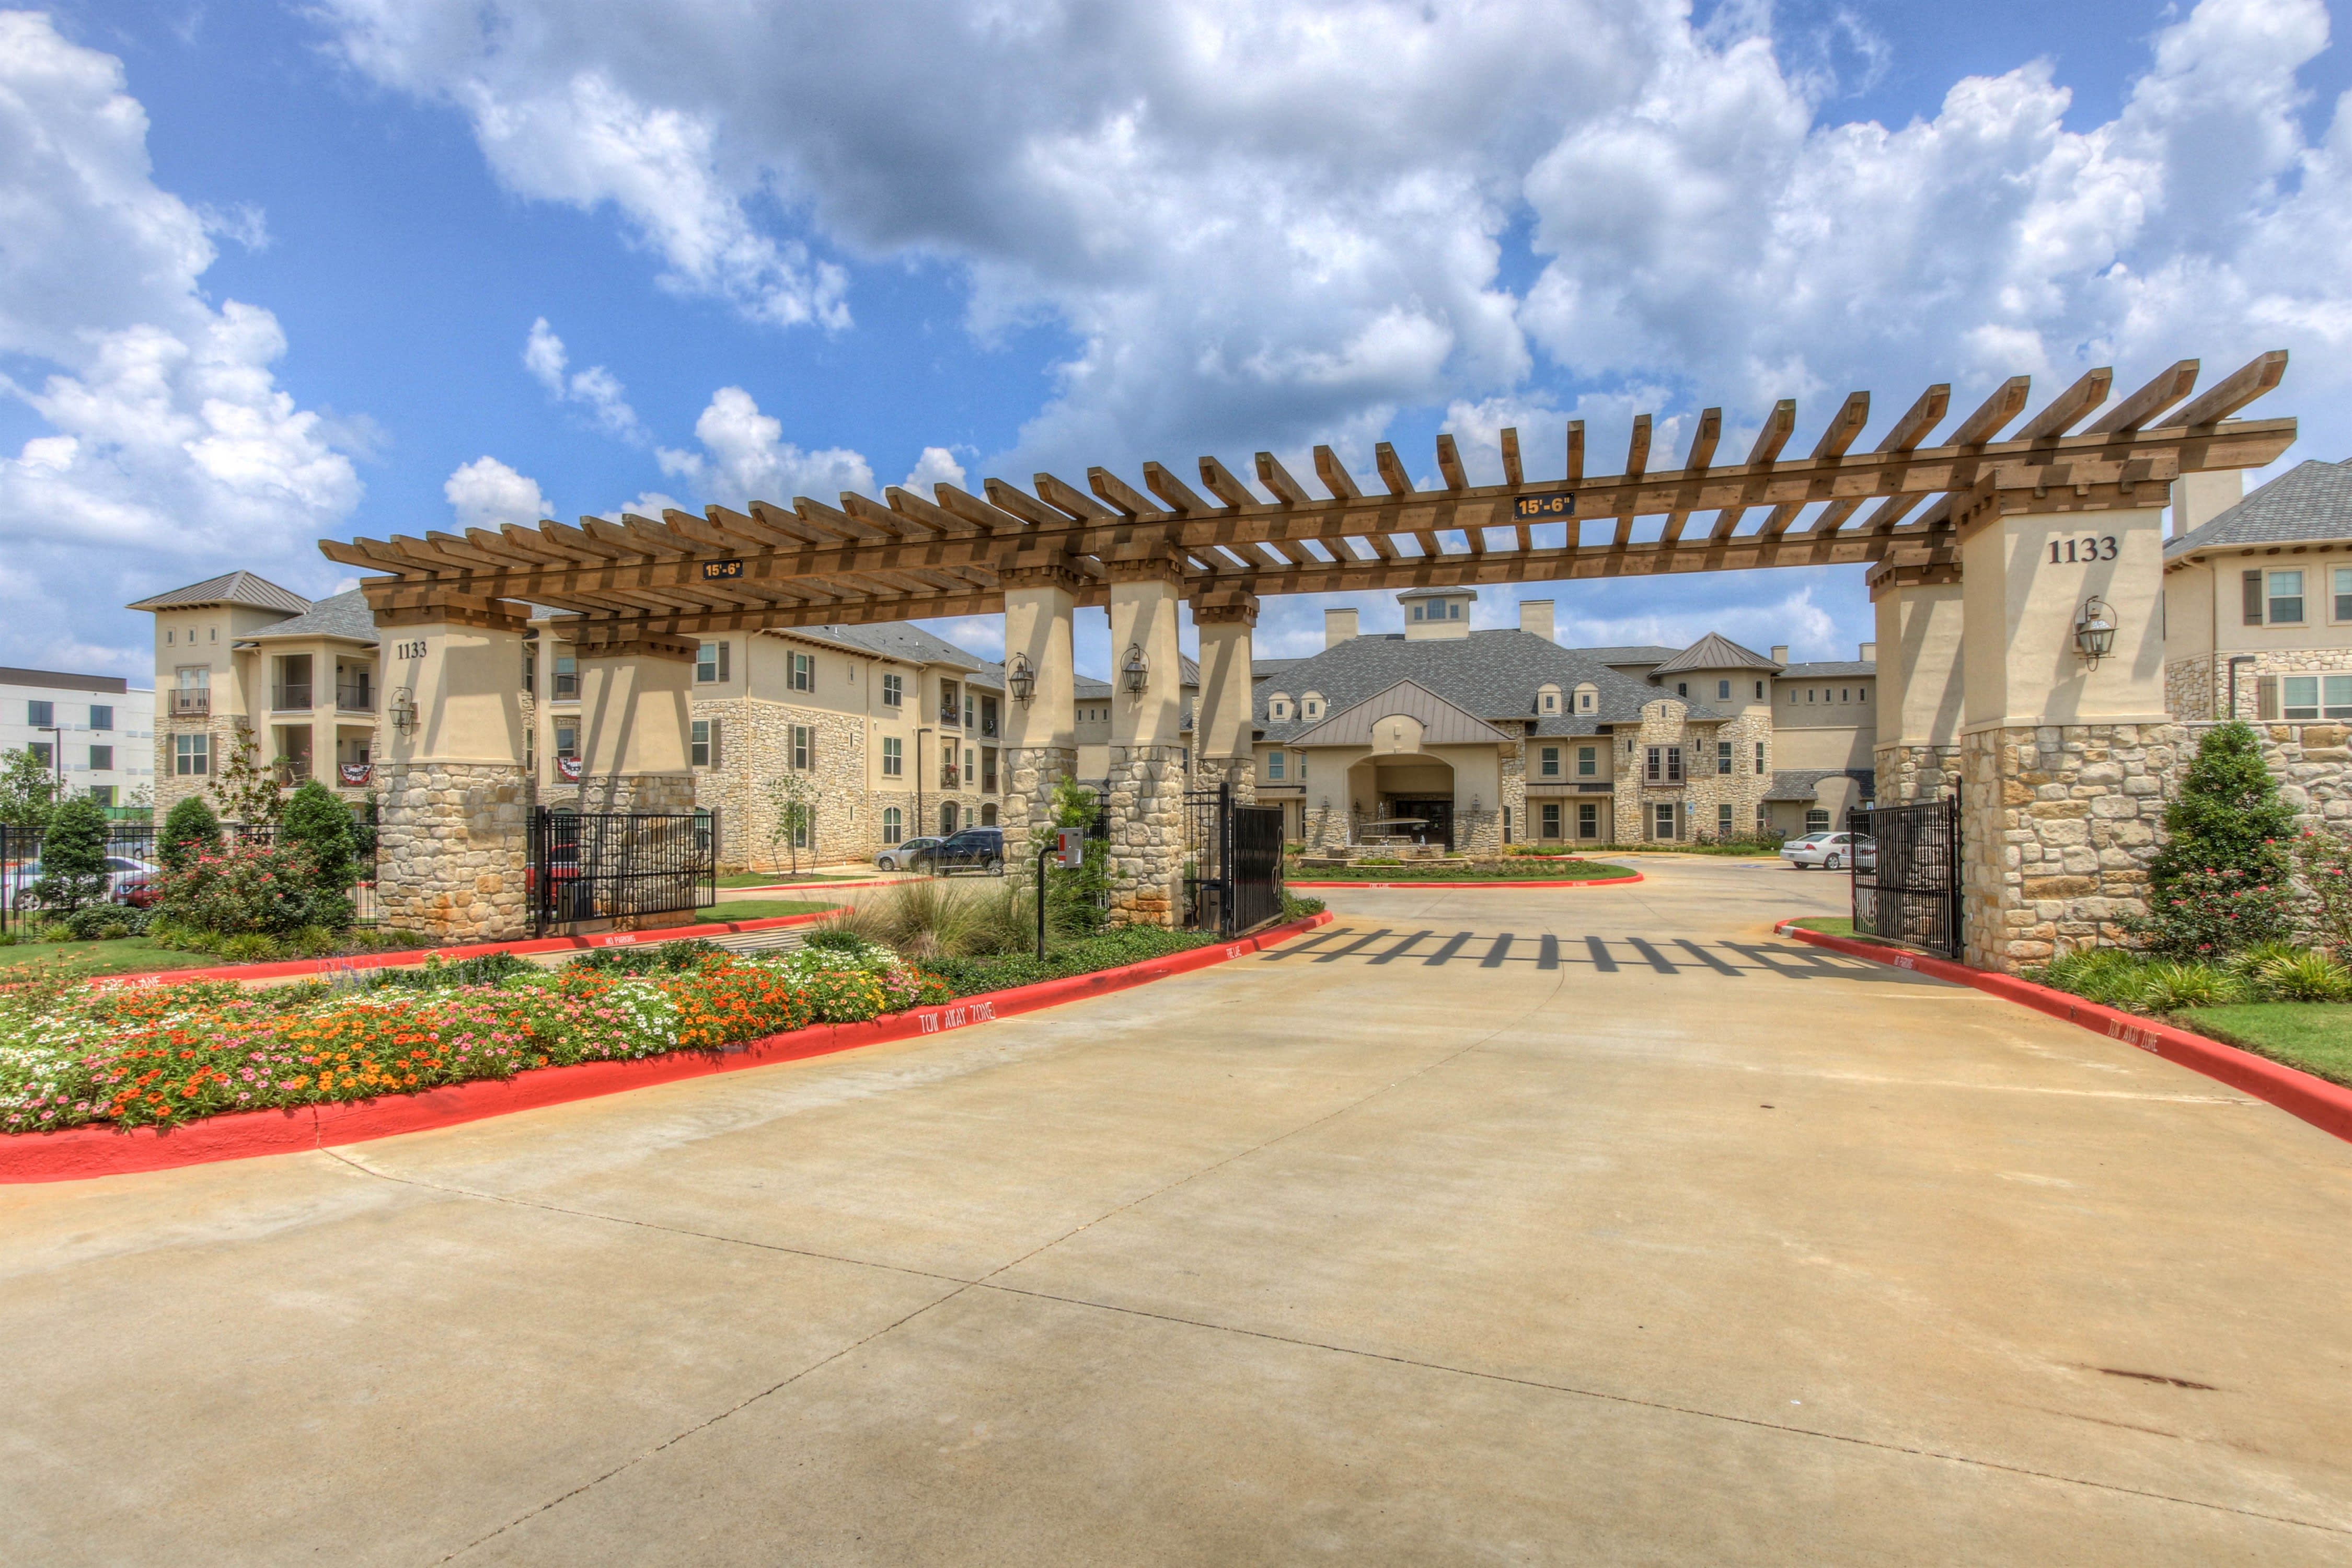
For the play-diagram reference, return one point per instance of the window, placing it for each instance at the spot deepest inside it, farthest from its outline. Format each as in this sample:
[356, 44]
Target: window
[1681, 689]
[1674, 764]
[100, 718]
[1845, 695]
[1314, 705]
[704, 743]
[893, 829]
[1454, 609]
[168, 637]
[41, 715]
[970, 770]
[1586, 697]
[1817, 821]
[1760, 756]
[988, 715]
[1588, 761]
[804, 672]
[1588, 819]
[1550, 702]
[101, 759]
[1723, 820]
[43, 754]
[192, 755]
[1416, 611]
[567, 678]
[1665, 765]
[567, 743]
[2344, 593]
[988, 814]
[893, 759]
[801, 829]
[894, 694]
[946, 819]
[1792, 697]
[2315, 697]
[1661, 820]
[1274, 765]
[102, 794]
[1278, 707]
[951, 711]
[804, 748]
[1760, 692]
[967, 722]
[1551, 820]
[1548, 765]
[1723, 688]
[710, 663]
[2286, 598]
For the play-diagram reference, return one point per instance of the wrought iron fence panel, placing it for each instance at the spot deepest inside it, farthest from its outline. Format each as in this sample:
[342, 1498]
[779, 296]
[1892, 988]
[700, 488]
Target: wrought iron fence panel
[1910, 891]
[1257, 872]
[1208, 850]
[594, 866]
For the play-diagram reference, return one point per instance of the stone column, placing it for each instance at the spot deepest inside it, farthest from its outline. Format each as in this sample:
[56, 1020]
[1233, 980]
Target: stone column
[1918, 749]
[634, 725]
[452, 834]
[1041, 735]
[1224, 737]
[2063, 762]
[1147, 750]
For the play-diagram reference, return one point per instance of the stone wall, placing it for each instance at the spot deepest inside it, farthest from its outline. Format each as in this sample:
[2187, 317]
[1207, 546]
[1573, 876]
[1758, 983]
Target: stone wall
[1030, 776]
[631, 791]
[171, 788]
[2189, 691]
[1515, 792]
[452, 847]
[1208, 773]
[1915, 773]
[2198, 687]
[1147, 835]
[2313, 765]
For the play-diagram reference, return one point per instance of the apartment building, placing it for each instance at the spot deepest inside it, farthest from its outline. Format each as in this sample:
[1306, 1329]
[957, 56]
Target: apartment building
[93, 732]
[2258, 596]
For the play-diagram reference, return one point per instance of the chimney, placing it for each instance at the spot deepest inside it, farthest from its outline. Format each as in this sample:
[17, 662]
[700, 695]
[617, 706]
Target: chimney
[1869, 654]
[2198, 499]
[1338, 627]
[1535, 617]
[1779, 653]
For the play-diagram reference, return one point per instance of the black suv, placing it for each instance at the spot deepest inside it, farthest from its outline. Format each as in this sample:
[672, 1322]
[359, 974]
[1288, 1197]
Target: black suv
[973, 849]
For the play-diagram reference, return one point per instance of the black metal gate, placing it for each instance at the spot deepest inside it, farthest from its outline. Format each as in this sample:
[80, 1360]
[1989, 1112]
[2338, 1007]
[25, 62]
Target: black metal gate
[1232, 877]
[612, 864]
[1907, 873]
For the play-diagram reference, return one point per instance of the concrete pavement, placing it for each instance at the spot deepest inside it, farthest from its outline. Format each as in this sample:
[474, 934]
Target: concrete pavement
[1567, 1226]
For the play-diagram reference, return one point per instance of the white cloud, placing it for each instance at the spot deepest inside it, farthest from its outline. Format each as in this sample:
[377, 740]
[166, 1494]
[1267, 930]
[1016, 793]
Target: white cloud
[745, 456]
[169, 442]
[937, 465]
[596, 389]
[485, 493]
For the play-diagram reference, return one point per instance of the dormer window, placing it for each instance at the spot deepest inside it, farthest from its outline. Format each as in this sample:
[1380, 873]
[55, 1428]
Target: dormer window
[1277, 707]
[1548, 698]
[1588, 699]
[1313, 704]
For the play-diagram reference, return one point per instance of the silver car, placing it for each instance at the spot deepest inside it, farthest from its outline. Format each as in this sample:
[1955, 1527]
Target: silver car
[1831, 852]
[904, 856]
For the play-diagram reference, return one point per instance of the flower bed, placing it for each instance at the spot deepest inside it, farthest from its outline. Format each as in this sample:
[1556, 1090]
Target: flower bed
[168, 1053]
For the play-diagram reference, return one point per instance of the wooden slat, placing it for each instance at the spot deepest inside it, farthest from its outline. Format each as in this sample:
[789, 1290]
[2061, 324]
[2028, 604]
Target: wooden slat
[1391, 470]
[1066, 497]
[1637, 451]
[1334, 475]
[2066, 410]
[1705, 437]
[881, 519]
[1174, 491]
[1020, 504]
[816, 514]
[989, 520]
[1993, 415]
[1575, 451]
[1449, 464]
[1224, 485]
[776, 519]
[1779, 425]
[1844, 426]
[2234, 391]
[1121, 497]
[1287, 491]
[2173, 384]
[1511, 472]
[928, 514]
[1921, 417]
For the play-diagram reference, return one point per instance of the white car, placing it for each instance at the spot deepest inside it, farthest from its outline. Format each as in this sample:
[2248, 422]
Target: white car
[124, 876]
[907, 855]
[1831, 852]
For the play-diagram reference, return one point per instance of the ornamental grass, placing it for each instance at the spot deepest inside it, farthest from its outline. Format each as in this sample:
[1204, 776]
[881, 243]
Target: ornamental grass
[159, 1056]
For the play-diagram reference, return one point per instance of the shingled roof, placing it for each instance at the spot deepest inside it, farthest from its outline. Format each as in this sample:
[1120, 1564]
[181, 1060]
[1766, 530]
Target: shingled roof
[2312, 500]
[888, 639]
[1714, 651]
[233, 588]
[344, 615]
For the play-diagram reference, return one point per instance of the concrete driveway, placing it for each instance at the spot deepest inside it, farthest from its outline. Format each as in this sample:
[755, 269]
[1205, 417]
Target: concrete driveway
[1593, 1226]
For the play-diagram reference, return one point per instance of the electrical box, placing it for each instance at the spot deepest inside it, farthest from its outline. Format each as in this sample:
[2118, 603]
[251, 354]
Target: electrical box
[1073, 847]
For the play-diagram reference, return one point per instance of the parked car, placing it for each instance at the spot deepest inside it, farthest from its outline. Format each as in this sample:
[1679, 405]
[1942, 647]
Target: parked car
[975, 849]
[127, 882]
[1831, 852]
[902, 856]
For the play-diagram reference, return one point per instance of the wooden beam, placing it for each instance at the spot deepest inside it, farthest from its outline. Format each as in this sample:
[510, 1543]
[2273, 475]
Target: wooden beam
[1511, 474]
[1637, 451]
[1449, 464]
[1224, 486]
[1993, 415]
[1287, 491]
[929, 514]
[1575, 451]
[778, 520]
[1022, 505]
[1392, 472]
[1173, 491]
[1117, 491]
[1779, 425]
[1919, 419]
[989, 519]
[2173, 384]
[2066, 410]
[1068, 498]
[1705, 437]
[2234, 391]
[1334, 475]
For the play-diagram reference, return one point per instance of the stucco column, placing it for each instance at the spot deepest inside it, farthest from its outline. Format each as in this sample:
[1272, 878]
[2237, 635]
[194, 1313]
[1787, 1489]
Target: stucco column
[1041, 735]
[2063, 761]
[452, 834]
[1147, 750]
[1917, 749]
[1224, 739]
[634, 725]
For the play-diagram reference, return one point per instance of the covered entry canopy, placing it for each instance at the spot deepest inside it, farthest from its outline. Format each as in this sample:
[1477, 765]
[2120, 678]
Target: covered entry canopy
[906, 557]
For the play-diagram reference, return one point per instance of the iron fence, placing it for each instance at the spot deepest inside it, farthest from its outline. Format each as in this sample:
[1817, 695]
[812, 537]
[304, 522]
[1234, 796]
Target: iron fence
[136, 866]
[1909, 890]
[1232, 872]
[597, 865]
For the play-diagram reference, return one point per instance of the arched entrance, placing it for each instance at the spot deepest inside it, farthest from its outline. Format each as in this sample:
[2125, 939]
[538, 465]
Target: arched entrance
[1411, 796]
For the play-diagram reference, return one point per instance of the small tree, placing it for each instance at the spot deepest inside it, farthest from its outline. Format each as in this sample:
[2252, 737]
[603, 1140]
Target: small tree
[792, 800]
[190, 829]
[247, 791]
[1074, 897]
[319, 825]
[29, 789]
[2228, 815]
[73, 856]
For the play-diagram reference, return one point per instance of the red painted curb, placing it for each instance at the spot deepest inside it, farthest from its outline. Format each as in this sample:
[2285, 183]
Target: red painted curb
[1513, 882]
[80, 1153]
[394, 958]
[2325, 1105]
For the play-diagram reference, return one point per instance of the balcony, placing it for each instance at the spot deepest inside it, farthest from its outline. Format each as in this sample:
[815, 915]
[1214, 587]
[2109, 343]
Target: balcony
[567, 687]
[949, 777]
[292, 770]
[951, 716]
[288, 697]
[354, 696]
[192, 702]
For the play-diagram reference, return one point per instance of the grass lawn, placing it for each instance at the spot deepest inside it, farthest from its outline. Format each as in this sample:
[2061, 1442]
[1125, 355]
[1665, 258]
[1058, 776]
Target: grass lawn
[1828, 925]
[1528, 868]
[758, 910]
[2315, 1037]
[777, 879]
[123, 955]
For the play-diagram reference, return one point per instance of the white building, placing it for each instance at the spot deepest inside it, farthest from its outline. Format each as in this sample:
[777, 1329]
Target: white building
[95, 732]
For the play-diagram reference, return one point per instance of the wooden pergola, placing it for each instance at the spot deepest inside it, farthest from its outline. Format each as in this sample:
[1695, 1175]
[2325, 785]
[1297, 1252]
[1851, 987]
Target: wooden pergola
[905, 557]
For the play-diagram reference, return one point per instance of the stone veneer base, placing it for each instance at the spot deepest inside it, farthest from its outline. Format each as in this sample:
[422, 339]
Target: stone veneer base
[452, 849]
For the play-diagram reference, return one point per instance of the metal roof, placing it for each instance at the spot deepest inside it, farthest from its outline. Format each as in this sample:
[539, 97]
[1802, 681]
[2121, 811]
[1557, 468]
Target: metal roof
[1441, 722]
[344, 615]
[1714, 651]
[886, 640]
[1804, 783]
[58, 681]
[2312, 500]
[233, 588]
[1437, 593]
[1831, 670]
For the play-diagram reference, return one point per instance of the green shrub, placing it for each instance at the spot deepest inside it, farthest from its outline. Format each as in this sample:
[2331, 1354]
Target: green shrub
[434, 974]
[2170, 987]
[833, 936]
[969, 976]
[246, 947]
[73, 856]
[1294, 908]
[663, 958]
[318, 824]
[2323, 862]
[104, 922]
[190, 829]
[2306, 977]
[2227, 817]
[2108, 976]
[268, 890]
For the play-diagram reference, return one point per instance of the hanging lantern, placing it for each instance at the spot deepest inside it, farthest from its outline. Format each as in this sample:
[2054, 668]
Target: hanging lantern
[1137, 670]
[1023, 679]
[2095, 632]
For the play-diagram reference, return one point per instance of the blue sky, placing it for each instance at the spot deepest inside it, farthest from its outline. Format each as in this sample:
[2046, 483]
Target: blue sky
[296, 301]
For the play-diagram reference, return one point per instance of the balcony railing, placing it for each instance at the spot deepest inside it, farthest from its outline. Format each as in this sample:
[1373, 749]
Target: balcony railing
[952, 717]
[950, 778]
[292, 770]
[354, 699]
[567, 689]
[192, 702]
[290, 699]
